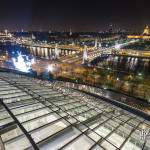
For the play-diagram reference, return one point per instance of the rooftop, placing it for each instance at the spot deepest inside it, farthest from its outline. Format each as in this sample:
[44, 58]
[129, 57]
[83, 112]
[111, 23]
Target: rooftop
[38, 114]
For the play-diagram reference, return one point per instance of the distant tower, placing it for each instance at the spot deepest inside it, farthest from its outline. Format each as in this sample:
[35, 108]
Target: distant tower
[6, 32]
[110, 28]
[72, 43]
[33, 37]
[70, 33]
[96, 43]
[50, 31]
[99, 45]
[56, 51]
[85, 55]
[146, 31]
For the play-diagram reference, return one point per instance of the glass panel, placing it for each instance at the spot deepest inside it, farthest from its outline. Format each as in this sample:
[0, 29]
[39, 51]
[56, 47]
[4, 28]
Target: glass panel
[102, 131]
[95, 123]
[20, 143]
[16, 99]
[147, 145]
[108, 146]
[135, 140]
[33, 114]
[36, 123]
[60, 140]
[46, 131]
[13, 95]
[82, 142]
[3, 114]
[5, 121]
[11, 134]
[93, 136]
[27, 108]
[97, 147]
[116, 139]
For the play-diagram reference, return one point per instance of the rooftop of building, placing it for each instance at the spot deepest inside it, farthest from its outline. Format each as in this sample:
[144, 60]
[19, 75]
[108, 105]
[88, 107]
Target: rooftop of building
[37, 114]
[145, 35]
[146, 30]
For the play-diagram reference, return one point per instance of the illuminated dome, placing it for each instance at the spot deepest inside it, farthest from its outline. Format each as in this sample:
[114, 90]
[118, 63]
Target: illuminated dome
[146, 31]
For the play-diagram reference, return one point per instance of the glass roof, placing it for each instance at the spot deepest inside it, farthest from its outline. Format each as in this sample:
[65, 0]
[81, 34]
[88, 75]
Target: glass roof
[44, 114]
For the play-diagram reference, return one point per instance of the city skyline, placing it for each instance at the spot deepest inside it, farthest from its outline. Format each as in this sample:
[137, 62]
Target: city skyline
[78, 15]
[74, 75]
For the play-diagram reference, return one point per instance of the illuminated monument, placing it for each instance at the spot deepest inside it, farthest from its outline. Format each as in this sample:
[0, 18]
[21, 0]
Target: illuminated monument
[70, 33]
[145, 35]
[146, 31]
[85, 55]
[56, 51]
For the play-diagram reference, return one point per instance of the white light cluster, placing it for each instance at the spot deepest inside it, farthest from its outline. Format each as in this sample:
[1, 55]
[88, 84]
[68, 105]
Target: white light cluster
[23, 63]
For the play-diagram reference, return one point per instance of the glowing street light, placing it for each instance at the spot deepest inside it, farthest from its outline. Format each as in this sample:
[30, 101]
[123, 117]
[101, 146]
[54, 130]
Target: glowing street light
[22, 65]
[139, 74]
[50, 68]
[118, 46]
[108, 68]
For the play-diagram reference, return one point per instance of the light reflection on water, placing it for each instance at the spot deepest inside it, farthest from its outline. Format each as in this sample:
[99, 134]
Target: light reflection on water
[128, 64]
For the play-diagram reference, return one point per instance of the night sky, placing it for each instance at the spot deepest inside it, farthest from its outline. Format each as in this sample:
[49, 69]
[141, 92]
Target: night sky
[79, 15]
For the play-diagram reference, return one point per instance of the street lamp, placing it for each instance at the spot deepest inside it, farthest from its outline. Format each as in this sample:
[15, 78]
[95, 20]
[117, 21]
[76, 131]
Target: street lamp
[117, 46]
[50, 68]
[139, 74]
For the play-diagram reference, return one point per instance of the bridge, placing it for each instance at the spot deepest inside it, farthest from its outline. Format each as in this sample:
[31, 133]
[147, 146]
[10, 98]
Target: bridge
[93, 53]
[122, 52]
[44, 50]
[47, 50]
[74, 53]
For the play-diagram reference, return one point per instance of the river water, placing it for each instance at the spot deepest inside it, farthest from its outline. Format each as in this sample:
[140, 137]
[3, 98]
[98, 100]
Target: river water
[133, 65]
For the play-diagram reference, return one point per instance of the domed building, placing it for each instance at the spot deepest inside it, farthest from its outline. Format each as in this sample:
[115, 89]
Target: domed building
[146, 31]
[145, 35]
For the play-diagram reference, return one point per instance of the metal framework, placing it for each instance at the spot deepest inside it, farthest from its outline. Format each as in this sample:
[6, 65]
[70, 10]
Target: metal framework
[37, 114]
